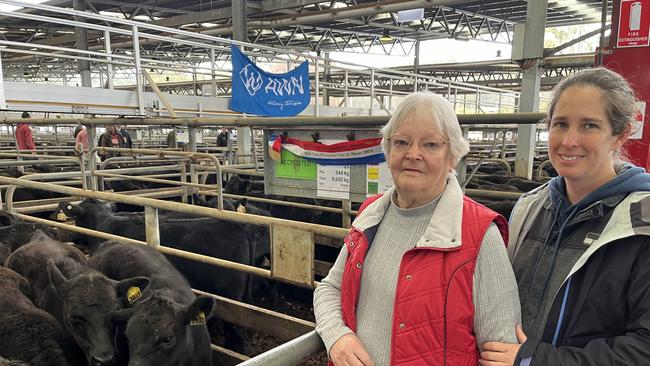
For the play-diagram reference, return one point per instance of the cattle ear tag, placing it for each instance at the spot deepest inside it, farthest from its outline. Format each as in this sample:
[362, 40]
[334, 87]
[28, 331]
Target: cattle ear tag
[241, 209]
[133, 293]
[61, 216]
[199, 320]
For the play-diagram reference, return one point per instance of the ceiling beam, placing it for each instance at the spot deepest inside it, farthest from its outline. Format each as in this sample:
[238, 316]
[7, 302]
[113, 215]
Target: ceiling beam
[273, 5]
[136, 4]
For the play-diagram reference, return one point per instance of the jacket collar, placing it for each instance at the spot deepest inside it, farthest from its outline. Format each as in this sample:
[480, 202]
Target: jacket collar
[445, 227]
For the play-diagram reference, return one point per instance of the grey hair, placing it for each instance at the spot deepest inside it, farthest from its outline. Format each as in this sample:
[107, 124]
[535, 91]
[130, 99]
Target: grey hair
[442, 114]
[620, 100]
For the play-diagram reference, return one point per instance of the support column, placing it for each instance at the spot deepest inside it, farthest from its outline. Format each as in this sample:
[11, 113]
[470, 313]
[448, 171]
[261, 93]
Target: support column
[3, 100]
[81, 37]
[192, 136]
[326, 93]
[528, 51]
[239, 33]
[138, 71]
[416, 62]
[109, 66]
[239, 23]
[213, 80]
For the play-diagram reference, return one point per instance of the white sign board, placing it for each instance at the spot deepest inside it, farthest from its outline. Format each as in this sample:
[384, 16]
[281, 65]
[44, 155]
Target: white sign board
[182, 136]
[333, 181]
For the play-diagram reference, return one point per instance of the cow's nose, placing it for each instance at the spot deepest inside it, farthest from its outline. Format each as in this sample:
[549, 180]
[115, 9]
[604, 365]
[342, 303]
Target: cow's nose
[103, 360]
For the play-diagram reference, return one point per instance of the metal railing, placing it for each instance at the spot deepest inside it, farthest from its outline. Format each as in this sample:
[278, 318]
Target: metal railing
[131, 62]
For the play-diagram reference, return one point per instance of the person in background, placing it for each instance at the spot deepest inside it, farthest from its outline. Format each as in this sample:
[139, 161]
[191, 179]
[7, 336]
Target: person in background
[81, 140]
[423, 277]
[110, 138]
[171, 139]
[128, 143]
[580, 244]
[222, 138]
[24, 138]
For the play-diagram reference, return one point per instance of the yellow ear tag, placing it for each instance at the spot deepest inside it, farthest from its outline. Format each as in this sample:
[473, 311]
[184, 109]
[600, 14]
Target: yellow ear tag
[133, 293]
[199, 320]
[241, 209]
[61, 216]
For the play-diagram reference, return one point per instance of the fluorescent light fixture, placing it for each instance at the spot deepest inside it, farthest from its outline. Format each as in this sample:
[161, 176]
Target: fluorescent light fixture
[385, 37]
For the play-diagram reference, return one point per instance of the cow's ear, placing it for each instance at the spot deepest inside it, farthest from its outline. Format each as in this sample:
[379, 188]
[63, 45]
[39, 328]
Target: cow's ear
[57, 278]
[131, 289]
[119, 316]
[199, 311]
[25, 287]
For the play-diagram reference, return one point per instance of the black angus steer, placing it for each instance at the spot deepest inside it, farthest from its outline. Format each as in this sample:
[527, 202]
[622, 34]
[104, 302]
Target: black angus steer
[166, 323]
[206, 236]
[28, 333]
[21, 232]
[78, 297]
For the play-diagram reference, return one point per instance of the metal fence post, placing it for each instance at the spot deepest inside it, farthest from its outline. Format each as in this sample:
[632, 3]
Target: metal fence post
[151, 226]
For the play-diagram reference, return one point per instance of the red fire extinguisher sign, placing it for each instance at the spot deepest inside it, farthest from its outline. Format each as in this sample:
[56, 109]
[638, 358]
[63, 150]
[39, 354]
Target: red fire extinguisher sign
[633, 24]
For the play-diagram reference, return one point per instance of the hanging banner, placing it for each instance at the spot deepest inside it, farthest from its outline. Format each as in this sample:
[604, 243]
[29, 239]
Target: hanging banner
[365, 151]
[633, 24]
[263, 93]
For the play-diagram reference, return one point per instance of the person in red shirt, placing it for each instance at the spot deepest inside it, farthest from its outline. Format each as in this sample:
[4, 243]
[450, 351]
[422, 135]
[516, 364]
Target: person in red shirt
[81, 139]
[24, 139]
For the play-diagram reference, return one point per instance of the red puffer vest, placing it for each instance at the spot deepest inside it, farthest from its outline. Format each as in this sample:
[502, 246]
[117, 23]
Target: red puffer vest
[433, 321]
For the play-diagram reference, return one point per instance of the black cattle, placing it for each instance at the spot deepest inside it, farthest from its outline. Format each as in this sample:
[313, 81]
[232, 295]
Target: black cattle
[504, 206]
[502, 183]
[241, 186]
[165, 325]
[207, 236]
[27, 333]
[28, 194]
[20, 233]
[7, 219]
[78, 297]
[87, 300]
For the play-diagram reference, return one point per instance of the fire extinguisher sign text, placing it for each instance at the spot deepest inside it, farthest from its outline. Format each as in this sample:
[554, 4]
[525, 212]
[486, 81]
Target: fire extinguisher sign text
[633, 23]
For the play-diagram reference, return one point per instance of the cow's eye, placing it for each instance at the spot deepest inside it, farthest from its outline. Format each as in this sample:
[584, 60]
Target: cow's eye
[77, 319]
[167, 341]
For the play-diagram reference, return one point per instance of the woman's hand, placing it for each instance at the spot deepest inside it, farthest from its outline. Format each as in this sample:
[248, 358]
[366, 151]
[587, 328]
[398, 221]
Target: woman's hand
[501, 354]
[348, 351]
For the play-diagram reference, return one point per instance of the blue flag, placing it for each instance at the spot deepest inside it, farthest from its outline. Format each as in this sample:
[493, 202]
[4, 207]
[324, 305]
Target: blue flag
[259, 92]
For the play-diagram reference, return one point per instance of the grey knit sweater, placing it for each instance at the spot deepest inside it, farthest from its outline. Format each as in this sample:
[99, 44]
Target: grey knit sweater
[495, 295]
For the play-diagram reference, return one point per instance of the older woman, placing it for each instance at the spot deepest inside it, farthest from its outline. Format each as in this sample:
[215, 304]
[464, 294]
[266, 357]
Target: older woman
[580, 245]
[423, 276]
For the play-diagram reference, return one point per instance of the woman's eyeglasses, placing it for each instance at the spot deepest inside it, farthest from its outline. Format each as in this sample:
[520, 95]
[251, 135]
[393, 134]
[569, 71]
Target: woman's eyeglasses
[429, 145]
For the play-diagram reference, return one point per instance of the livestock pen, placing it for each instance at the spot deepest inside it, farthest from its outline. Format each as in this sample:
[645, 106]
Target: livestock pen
[266, 321]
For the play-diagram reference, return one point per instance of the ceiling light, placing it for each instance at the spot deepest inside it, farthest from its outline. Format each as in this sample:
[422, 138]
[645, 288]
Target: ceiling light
[385, 36]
